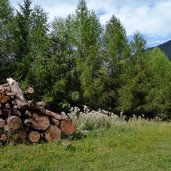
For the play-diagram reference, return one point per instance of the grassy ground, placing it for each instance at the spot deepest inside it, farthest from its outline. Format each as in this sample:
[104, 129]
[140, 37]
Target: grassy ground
[133, 146]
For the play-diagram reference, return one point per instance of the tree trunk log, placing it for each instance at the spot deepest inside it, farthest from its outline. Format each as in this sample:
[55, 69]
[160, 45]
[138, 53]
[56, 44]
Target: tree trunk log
[16, 111]
[30, 90]
[53, 114]
[3, 137]
[20, 100]
[4, 99]
[67, 126]
[2, 123]
[34, 136]
[55, 122]
[52, 133]
[28, 122]
[28, 113]
[40, 122]
[14, 122]
[1, 131]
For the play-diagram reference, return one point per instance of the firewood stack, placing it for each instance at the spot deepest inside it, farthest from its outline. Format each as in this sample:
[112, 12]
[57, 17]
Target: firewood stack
[29, 120]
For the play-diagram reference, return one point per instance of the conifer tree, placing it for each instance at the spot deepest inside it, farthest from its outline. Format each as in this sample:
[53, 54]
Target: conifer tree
[159, 95]
[7, 55]
[87, 42]
[116, 53]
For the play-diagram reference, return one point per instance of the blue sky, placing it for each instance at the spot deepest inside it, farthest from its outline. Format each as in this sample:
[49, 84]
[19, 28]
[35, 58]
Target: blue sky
[152, 18]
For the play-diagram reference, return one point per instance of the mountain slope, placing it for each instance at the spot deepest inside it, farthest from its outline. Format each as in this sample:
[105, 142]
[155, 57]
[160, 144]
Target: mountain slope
[166, 48]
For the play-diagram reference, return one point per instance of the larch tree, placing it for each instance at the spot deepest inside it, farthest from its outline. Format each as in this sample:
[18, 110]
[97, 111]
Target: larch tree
[87, 43]
[116, 52]
[7, 55]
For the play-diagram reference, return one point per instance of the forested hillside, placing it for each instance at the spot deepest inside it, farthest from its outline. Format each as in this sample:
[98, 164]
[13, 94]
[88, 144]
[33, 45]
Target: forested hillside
[166, 48]
[76, 61]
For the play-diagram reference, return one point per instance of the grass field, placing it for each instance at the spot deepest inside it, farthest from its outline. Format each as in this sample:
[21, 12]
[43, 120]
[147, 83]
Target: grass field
[134, 146]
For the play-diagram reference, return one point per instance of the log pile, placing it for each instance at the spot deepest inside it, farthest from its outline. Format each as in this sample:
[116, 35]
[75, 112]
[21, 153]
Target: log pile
[28, 120]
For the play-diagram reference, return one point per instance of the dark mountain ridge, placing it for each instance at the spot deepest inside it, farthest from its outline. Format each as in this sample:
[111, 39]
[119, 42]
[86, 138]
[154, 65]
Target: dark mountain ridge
[166, 48]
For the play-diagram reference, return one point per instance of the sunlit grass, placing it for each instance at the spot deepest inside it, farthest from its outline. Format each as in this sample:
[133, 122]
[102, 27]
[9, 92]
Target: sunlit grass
[134, 145]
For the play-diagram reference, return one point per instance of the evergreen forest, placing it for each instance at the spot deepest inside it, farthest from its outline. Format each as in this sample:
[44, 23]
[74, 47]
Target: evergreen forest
[76, 61]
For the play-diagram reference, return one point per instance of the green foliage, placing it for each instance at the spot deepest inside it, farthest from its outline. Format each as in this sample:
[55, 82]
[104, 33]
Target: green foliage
[7, 55]
[116, 53]
[88, 32]
[75, 62]
[160, 83]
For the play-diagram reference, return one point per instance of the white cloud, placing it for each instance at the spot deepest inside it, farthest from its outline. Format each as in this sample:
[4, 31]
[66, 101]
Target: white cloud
[150, 17]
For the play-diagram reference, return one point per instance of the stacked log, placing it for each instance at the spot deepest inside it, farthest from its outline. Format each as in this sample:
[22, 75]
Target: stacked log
[29, 120]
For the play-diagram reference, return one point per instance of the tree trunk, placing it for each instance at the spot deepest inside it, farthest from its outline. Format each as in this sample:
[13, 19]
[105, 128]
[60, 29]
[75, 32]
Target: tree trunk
[2, 123]
[34, 106]
[34, 136]
[3, 137]
[52, 133]
[28, 122]
[40, 122]
[4, 99]
[16, 111]
[28, 113]
[53, 114]
[30, 90]
[20, 100]
[55, 122]
[67, 126]
[14, 122]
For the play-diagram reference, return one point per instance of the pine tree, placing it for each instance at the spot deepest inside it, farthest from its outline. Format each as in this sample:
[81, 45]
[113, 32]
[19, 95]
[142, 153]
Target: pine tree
[159, 95]
[21, 36]
[62, 62]
[133, 94]
[7, 55]
[39, 44]
[116, 52]
[87, 42]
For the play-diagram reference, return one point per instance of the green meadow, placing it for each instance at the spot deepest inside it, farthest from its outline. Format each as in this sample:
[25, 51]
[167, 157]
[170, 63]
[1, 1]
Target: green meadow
[136, 145]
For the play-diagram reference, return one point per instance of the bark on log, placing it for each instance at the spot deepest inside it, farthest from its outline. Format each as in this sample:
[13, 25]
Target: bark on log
[14, 122]
[41, 104]
[28, 113]
[16, 112]
[53, 114]
[67, 126]
[35, 106]
[11, 94]
[55, 122]
[20, 100]
[7, 88]
[52, 133]
[40, 122]
[34, 136]
[2, 123]
[28, 122]
[6, 128]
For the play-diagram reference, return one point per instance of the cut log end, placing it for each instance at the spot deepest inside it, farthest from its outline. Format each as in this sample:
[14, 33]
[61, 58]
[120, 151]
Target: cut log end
[52, 133]
[40, 122]
[2, 123]
[34, 136]
[14, 122]
[67, 126]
